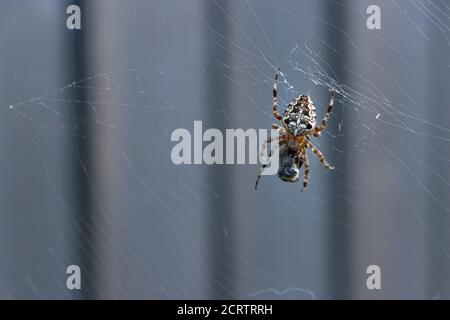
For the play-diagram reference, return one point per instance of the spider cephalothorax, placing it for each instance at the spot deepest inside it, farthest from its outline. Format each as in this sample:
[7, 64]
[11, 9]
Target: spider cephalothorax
[299, 124]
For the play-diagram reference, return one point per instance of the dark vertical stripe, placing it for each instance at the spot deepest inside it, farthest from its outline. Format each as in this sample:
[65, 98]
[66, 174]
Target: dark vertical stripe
[436, 103]
[339, 272]
[221, 209]
[77, 67]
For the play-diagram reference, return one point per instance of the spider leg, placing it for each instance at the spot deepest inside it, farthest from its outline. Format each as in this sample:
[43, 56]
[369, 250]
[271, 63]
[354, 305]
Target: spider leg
[264, 166]
[280, 138]
[318, 129]
[276, 127]
[264, 145]
[261, 154]
[306, 168]
[275, 112]
[319, 154]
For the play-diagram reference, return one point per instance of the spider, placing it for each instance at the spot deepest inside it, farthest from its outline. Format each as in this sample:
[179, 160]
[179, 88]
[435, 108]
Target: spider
[299, 124]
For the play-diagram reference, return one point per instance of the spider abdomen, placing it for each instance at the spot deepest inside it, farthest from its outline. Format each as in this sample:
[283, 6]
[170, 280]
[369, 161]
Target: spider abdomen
[289, 164]
[299, 117]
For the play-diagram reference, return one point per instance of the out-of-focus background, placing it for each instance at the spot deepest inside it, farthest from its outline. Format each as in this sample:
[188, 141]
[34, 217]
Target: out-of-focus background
[86, 176]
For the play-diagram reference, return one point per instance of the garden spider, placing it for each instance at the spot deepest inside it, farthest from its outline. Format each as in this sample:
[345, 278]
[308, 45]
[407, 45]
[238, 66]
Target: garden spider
[299, 124]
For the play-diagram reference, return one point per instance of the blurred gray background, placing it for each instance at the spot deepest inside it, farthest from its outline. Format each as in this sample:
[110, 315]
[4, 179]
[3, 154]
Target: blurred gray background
[87, 179]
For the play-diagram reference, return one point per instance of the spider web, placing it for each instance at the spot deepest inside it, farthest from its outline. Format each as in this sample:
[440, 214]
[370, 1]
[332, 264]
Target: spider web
[157, 230]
